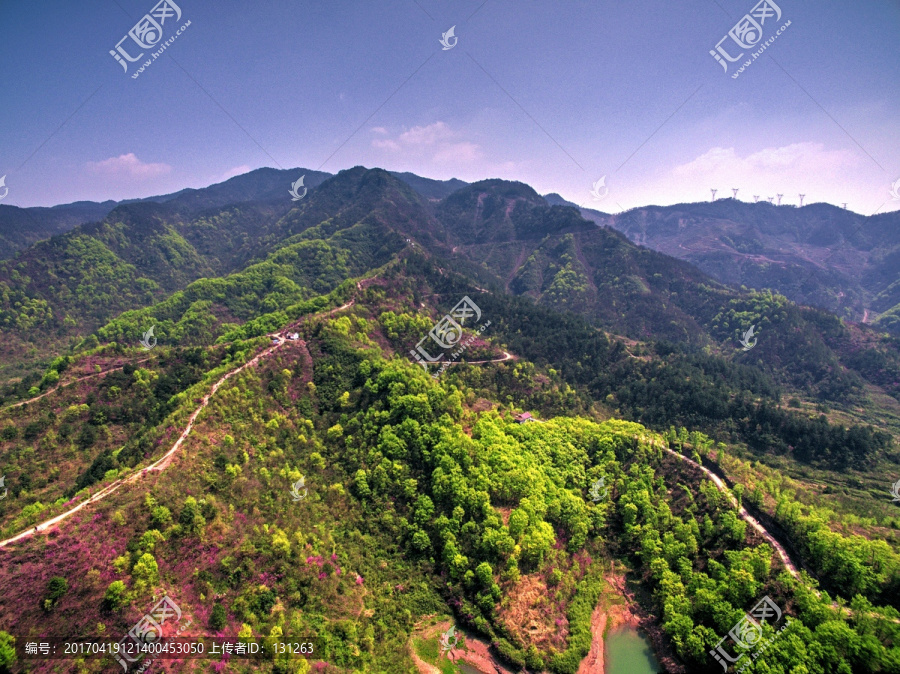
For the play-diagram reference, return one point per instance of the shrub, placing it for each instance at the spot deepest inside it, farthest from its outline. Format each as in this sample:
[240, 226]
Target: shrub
[191, 517]
[160, 517]
[7, 651]
[263, 602]
[115, 596]
[33, 429]
[554, 578]
[145, 572]
[217, 618]
[86, 437]
[485, 574]
[56, 588]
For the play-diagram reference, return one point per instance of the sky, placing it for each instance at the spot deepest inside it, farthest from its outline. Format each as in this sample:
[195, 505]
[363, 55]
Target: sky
[562, 95]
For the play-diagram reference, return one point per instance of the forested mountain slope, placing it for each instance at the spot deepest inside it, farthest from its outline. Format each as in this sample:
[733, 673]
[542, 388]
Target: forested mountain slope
[549, 253]
[23, 227]
[421, 496]
[818, 255]
[279, 252]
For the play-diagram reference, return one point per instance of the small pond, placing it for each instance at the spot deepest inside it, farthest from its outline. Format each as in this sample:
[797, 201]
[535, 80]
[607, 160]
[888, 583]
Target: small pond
[466, 668]
[629, 652]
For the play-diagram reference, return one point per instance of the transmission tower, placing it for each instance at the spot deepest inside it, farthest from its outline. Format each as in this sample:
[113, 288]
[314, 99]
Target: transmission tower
[714, 194]
[845, 205]
[735, 190]
[755, 198]
[801, 200]
[771, 199]
[779, 199]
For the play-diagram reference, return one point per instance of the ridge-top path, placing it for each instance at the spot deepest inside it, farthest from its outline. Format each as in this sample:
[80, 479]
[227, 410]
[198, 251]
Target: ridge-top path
[742, 511]
[69, 383]
[163, 462]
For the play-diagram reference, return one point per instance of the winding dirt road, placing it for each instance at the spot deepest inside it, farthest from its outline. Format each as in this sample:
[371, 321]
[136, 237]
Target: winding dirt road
[163, 462]
[506, 356]
[69, 383]
[747, 517]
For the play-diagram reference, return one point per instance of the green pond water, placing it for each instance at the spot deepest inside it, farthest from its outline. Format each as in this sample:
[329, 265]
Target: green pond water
[468, 669]
[629, 652]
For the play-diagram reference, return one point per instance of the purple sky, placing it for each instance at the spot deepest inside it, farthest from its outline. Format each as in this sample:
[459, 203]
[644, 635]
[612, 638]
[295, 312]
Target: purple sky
[556, 94]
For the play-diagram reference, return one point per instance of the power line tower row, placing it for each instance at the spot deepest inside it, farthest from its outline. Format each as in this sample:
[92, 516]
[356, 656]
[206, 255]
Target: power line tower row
[735, 191]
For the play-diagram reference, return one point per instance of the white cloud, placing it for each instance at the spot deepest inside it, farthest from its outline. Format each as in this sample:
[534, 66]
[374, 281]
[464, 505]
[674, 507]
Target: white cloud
[386, 144]
[458, 153]
[231, 173]
[425, 135]
[128, 166]
[809, 168]
[437, 142]
[768, 164]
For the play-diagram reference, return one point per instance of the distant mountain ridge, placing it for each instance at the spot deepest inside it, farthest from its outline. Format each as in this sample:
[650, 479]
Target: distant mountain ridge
[21, 227]
[208, 257]
[818, 255]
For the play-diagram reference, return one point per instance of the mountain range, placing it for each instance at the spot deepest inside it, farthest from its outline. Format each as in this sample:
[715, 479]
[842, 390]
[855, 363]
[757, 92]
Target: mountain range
[158, 256]
[819, 255]
[219, 396]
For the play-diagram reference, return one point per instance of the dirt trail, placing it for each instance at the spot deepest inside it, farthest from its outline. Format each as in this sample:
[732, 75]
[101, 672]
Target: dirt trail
[747, 517]
[506, 356]
[163, 462]
[779, 548]
[69, 383]
[518, 263]
[742, 511]
[593, 662]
